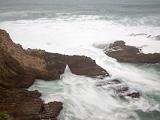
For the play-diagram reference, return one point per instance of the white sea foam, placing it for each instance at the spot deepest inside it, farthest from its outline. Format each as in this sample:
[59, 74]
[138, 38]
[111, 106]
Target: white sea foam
[74, 33]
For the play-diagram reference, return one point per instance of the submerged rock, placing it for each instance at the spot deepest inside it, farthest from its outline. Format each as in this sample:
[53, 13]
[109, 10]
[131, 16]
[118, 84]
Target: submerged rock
[100, 45]
[139, 34]
[157, 37]
[134, 94]
[124, 53]
[108, 82]
[119, 88]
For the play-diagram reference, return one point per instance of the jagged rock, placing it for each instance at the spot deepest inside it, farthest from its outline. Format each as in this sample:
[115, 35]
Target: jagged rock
[86, 66]
[20, 103]
[134, 94]
[125, 53]
[51, 110]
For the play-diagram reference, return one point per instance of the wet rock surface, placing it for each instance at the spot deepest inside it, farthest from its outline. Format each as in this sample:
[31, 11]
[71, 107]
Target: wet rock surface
[18, 70]
[118, 88]
[26, 105]
[51, 110]
[124, 53]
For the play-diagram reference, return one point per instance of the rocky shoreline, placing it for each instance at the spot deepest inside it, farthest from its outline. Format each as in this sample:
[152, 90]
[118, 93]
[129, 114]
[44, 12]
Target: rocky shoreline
[18, 70]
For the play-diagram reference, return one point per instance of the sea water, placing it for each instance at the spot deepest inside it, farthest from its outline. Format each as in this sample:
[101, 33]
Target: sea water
[75, 27]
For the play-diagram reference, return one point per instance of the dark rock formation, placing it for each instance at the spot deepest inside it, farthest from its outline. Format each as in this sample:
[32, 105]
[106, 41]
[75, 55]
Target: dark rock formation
[12, 74]
[125, 53]
[18, 70]
[21, 104]
[51, 110]
[86, 66]
[157, 37]
[119, 88]
[134, 94]
[79, 65]
[24, 105]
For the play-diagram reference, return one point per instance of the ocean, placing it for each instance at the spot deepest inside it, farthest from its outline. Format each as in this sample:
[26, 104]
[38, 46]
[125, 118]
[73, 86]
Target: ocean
[74, 27]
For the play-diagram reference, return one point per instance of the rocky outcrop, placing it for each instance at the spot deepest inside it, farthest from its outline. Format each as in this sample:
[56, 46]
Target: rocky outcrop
[12, 74]
[18, 70]
[24, 105]
[51, 110]
[79, 65]
[27, 65]
[124, 53]
[19, 54]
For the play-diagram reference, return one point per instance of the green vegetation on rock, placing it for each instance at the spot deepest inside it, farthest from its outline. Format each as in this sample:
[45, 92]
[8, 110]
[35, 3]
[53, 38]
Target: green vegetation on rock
[4, 116]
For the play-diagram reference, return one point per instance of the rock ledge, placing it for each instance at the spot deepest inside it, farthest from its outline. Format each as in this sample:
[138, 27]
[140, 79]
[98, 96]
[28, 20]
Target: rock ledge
[124, 53]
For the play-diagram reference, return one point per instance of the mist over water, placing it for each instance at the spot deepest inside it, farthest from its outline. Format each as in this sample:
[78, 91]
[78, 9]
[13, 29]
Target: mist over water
[75, 27]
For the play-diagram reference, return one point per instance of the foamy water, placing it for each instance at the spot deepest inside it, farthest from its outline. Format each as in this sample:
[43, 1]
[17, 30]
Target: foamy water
[79, 32]
[82, 99]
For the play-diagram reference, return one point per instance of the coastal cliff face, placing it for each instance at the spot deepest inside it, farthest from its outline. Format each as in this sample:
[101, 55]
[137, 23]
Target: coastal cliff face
[18, 70]
[19, 54]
